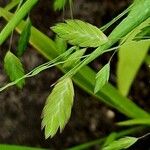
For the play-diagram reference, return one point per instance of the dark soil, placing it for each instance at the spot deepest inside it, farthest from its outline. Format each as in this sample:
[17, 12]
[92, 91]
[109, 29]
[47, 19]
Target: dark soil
[20, 110]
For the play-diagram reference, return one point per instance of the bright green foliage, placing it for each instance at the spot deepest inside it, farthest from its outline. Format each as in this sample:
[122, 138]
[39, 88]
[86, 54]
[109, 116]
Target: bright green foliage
[57, 110]
[13, 147]
[14, 68]
[131, 56]
[74, 58]
[122, 143]
[24, 38]
[59, 4]
[111, 97]
[80, 33]
[132, 122]
[60, 44]
[48, 49]
[102, 77]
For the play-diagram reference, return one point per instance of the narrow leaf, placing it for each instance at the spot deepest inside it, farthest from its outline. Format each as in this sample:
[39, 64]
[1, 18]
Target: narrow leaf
[80, 33]
[24, 38]
[57, 110]
[16, 147]
[132, 122]
[14, 68]
[122, 143]
[74, 58]
[102, 77]
[59, 4]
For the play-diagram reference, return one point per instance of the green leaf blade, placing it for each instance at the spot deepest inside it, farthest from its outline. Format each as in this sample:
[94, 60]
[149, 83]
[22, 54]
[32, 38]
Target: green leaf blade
[142, 121]
[57, 110]
[14, 68]
[122, 143]
[80, 33]
[102, 77]
[24, 39]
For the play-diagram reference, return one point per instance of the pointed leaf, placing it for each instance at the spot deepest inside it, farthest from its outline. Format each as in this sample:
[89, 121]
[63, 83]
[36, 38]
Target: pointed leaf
[80, 33]
[24, 38]
[102, 77]
[14, 68]
[74, 58]
[57, 110]
[122, 143]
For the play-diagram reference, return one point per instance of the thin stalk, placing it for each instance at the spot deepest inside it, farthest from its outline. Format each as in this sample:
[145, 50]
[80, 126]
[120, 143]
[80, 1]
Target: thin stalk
[105, 27]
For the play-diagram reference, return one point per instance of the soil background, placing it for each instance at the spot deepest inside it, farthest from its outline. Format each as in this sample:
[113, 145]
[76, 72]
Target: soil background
[20, 110]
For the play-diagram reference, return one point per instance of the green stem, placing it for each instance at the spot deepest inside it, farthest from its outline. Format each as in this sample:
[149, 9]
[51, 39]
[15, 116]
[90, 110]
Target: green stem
[22, 12]
[105, 27]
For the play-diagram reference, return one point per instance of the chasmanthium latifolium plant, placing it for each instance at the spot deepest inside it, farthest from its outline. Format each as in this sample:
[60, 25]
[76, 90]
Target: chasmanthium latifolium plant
[77, 32]
[73, 61]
